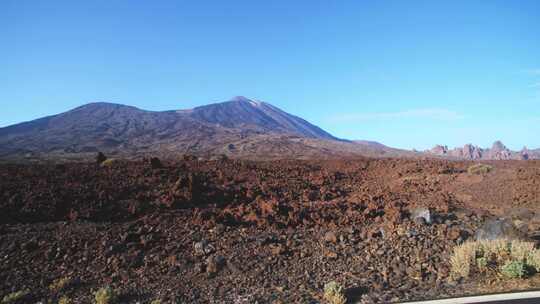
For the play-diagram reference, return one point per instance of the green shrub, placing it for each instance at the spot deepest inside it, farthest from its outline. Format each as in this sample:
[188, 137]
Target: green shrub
[105, 295]
[479, 169]
[334, 293]
[513, 269]
[15, 296]
[482, 263]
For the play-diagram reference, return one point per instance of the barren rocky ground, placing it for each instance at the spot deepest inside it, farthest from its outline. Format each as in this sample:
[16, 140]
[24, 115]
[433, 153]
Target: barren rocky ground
[233, 231]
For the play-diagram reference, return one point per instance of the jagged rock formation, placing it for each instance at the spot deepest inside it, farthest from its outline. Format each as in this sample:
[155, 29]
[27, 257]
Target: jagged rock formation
[498, 151]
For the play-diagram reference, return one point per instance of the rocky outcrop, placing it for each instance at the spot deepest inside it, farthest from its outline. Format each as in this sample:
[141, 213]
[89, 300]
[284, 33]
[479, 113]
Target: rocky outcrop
[470, 152]
[498, 151]
[439, 150]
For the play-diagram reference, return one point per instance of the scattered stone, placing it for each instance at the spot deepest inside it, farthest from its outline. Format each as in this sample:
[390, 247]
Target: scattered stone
[203, 248]
[496, 229]
[534, 223]
[330, 237]
[30, 245]
[155, 163]
[420, 221]
[521, 226]
[454, 233]
[421, 212]
[286, 254]
[277, 249]
[214, 264]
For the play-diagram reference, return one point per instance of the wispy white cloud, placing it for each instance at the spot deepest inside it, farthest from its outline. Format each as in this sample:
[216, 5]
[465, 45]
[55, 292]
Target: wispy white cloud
[532, 71]
[433, 114]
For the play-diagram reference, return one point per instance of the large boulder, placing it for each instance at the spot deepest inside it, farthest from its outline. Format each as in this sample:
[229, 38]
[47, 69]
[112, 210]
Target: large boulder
[422, 214]
[498, 229]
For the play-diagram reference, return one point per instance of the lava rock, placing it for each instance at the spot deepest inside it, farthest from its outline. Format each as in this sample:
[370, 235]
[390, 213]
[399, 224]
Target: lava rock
[496, 229]
[421, 213]
[330, 237]
[202, 248]
[214, 264]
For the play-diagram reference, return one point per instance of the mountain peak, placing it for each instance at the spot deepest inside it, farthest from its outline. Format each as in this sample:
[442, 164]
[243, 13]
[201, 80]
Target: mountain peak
[243, 112]
[101, 104]
[240, 98]
[243, 99]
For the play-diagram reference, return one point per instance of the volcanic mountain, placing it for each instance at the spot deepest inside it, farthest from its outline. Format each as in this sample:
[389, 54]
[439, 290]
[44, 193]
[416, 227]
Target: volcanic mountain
[240, 127]
[244, 113]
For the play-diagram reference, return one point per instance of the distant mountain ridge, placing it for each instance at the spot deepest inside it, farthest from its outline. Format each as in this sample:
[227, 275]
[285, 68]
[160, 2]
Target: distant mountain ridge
[239, 127]
[498, 151]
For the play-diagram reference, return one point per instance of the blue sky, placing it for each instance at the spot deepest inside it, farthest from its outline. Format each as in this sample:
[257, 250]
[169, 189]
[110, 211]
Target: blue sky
[409, 74]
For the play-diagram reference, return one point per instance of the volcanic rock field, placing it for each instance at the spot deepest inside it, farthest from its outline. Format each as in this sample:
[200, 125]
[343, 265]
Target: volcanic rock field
[239, 231]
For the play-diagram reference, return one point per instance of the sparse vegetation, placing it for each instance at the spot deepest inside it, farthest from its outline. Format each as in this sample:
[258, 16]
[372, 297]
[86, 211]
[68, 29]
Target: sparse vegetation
[15, 296]
[109, 162]
[533, 260]
[64, 300]
[479, 169]
[482, 263]
[513, 269]
[59, 284]
[156, 302]
[334, 293]
[105, 295]
[512, 259]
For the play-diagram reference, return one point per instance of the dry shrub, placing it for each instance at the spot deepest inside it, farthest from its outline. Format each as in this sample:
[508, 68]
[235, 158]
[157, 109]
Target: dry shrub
[497, 250]
[334, 293]
[15, 296]
[64, 300]
[510, 258]
[59, 284]
[479, 169]
[462, 259]
[521, 250]
[533, 260]
[105, 295]
[109, 162]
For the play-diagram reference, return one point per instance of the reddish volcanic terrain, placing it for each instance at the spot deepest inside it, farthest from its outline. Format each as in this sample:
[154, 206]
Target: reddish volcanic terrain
[249, 204]
[238, 231]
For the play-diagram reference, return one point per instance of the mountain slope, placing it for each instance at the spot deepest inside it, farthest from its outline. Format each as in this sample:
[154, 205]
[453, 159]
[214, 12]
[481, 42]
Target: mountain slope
[239, 128]
[241, 112]
[92, 127]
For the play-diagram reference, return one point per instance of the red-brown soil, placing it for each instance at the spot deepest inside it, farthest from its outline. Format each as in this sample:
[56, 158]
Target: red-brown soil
[233, 231]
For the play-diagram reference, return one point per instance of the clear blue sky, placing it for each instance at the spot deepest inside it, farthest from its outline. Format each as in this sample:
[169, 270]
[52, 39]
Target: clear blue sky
[405, 73]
